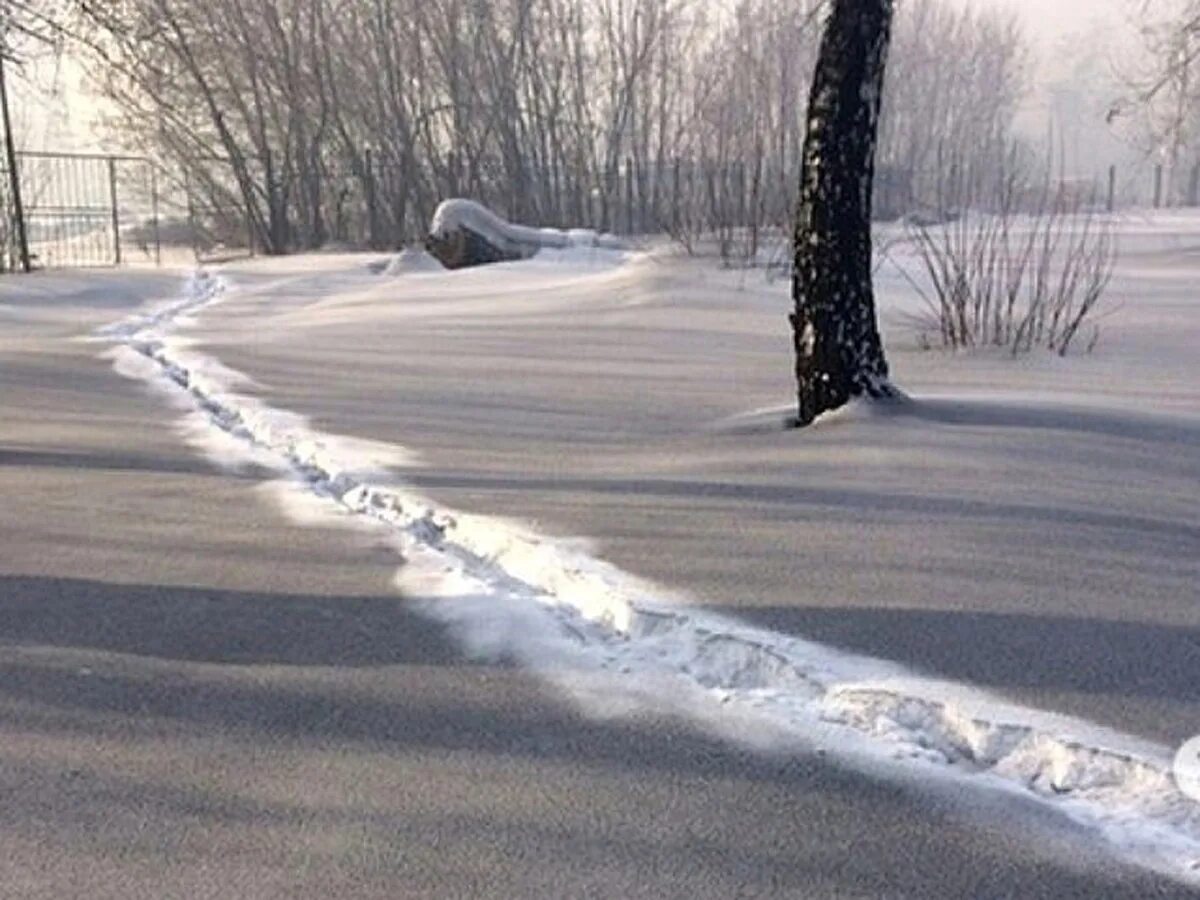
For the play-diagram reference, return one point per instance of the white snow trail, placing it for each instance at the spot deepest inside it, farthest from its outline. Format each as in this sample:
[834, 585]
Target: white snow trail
[583, 624]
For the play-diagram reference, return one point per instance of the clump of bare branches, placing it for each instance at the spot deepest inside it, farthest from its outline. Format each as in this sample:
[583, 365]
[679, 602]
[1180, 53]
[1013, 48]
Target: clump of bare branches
[347, 121]
[1030, 271]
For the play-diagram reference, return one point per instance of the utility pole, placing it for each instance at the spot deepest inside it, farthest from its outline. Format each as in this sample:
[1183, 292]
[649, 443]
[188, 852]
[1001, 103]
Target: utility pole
[14, 177]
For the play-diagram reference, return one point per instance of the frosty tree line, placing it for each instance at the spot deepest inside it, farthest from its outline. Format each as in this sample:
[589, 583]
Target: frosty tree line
[350, 119]
[328, 120]
[1161, 106]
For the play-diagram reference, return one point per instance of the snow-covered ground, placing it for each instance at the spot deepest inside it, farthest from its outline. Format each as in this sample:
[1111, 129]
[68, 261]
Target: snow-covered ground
[1008, 562]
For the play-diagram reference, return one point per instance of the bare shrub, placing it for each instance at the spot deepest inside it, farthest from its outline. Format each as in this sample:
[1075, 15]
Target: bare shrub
[1016, 279]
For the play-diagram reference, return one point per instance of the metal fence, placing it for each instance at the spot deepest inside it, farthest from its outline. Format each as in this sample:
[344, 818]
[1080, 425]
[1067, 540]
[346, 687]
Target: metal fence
[84, 209]
[79, 209]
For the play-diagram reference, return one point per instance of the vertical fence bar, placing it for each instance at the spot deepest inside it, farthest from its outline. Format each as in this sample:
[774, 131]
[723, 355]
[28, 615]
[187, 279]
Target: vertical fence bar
[1112, 188]
[116, 213]
[1158, 186]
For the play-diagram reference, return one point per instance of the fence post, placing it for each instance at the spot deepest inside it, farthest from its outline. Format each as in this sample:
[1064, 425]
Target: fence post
[608, 198]
[941, 182]
[642, 191]
[675, 198]
[154, 219]
[755, 203]
[691, 193]
[1158, 185]
[451, 175]
[116, 213]
[250, 242]
[739, 174]
[14, 175]
[628, 195]
[1194, 187]
[372, 207]
[193, 225]
[1112, 188]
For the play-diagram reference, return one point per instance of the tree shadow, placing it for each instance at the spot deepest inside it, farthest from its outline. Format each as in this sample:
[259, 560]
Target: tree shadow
[1082, 420]
[108, 462]
[431, 703]
[863, 501]
[216, 626]
[1008, 650]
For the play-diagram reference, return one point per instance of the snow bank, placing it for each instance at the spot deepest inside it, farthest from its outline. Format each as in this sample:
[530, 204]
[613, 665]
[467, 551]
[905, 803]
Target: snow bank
[582, 623]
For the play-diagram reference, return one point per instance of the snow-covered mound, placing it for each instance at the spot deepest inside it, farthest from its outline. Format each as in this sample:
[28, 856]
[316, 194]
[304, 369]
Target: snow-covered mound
[464, 232]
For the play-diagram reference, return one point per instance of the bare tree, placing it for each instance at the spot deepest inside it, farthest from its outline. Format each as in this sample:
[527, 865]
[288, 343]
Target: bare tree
[1161, 107]
[839, 353]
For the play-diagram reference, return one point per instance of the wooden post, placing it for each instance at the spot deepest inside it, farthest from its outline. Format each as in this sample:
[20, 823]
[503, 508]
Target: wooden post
[1112, 188]
[1158, 186]
[1194, 186]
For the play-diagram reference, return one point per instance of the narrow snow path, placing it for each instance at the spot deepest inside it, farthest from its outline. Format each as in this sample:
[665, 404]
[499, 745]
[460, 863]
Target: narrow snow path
[620, 644]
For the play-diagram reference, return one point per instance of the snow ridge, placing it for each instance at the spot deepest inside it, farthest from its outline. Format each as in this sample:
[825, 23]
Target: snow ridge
[564, 613]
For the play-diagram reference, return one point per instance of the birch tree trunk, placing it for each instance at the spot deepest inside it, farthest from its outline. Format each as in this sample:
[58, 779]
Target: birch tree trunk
[838, 350]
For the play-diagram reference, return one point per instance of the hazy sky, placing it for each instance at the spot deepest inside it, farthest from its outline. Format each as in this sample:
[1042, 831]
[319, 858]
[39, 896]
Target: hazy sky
[1077, 42]
[1054, 19]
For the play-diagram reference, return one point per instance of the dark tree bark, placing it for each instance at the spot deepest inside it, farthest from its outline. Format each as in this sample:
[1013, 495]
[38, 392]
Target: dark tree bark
[838, 351]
